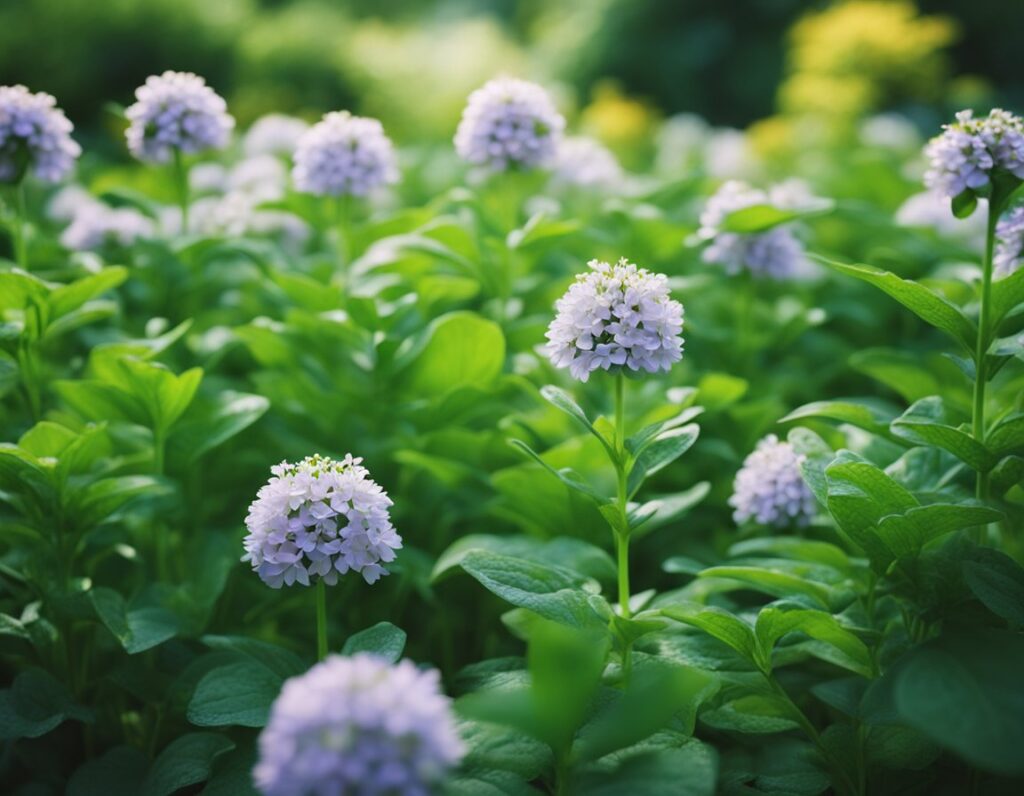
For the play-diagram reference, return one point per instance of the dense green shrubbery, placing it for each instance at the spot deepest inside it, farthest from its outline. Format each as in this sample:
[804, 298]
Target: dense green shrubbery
[147, 389]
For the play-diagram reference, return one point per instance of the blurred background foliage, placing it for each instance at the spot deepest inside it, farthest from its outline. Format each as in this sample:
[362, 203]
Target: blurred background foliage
[618, 66]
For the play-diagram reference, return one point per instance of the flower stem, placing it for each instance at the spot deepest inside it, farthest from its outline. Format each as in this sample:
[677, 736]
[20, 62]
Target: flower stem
[621, 532]
[321, 620]
[181, 181]
[342, 219]
[981, 351]
[20, 223]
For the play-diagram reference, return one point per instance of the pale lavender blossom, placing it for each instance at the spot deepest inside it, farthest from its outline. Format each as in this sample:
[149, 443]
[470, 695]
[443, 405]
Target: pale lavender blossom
[238, 213]
[274, 134]
[35, 137]
[616, 316]
[358, 726]
[509, 122]
[582, 162]
[176, 112]
[1009, 253]
[344, 155]
[967, 152]
[769, 488]
[777, 252]
[319, 518]
[95, 225]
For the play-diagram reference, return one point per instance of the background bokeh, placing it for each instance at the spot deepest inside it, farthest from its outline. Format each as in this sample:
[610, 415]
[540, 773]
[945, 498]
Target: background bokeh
[412, 62]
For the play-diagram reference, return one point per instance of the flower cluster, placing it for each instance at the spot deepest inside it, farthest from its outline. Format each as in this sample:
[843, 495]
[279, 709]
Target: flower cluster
[176, 111]
[34, 135]
[509, 122]
[616, 316]
[585, 163]
[1009, 254]
[776, 253]
[319, 518]
[274, 134]
[95, 225]
[769, 488]
[344, 155]
[358, 725]
[967, 151]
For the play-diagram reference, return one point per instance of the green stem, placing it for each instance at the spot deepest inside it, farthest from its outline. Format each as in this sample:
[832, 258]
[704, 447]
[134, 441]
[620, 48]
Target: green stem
[321, 620]
[181, 182]
[342, 220]
[20, 224]
[981, 371]
[621, 533]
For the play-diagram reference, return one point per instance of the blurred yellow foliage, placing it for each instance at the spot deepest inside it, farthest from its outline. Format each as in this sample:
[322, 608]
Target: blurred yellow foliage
[857, 55]
[624, 123]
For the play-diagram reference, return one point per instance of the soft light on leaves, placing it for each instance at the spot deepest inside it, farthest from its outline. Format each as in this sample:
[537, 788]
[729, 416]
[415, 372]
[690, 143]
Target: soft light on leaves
[462, 350]
[383, 640]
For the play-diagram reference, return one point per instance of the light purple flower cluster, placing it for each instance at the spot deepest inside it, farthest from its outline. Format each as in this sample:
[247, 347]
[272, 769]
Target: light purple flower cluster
[96, 225]
[967, 151]
[769, 488]
[776, 253]
[35, 136]
[1009, 254]
[274, 134]
[584, 163]
[344, 155]
[176, 111]
[358, 726]
[509, 122]
[319, 518]
[616, 316]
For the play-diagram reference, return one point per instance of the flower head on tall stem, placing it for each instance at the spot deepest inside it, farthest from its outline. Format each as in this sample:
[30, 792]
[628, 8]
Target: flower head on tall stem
[318, 519]
[344, 155]
[968, 152]
[509, 123]
[358, 725]
[176, 113]
[616, 317]
[35, 137]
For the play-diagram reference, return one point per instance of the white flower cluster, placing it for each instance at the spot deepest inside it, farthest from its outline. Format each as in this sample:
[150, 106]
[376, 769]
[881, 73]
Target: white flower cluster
[35, 136]
[1009, 254]
[176, 111]
[769, 488]
[319, 518]
[585, 163]
[776, 253]
[358, 726]
[509, 122]
[967, 151]
[96, 225]
[616, 316]
[274, 134]
[344, 155]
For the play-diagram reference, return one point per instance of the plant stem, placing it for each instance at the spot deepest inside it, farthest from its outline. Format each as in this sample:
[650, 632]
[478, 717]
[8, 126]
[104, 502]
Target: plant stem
[621, 532]
[20, 223]
[181, 180]
[981, 351]
[321, 620]
[342, 218]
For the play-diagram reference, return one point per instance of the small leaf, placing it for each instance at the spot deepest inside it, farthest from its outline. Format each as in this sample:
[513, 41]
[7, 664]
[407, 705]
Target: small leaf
[869, 414]
[570, 478]
[998, 581]
[138, 629]
[665, 449]
[964, 203]
[773, 623]
[187, 760]
[718, 623]
[561, 400]
[238, 694]
[35, 704]
[924, 423]
[383, 640]
[772, 581]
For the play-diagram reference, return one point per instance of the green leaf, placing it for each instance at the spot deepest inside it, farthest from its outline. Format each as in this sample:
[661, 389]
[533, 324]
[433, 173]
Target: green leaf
[232, 413]
[237, 694]
[232, 774]
[635, 443]
[98, 501]
[905, 534]
[586, 559]
[773, 623]
[688, 770]
[974, 676]
[138, 629]
[383, 639]
[998, 581]
[569, 477]
[187, 760]
[282, 662]
[964, 204]
[662, 510]
[665, 449]
[540, 229]
[760, 218]
[35, 704]
[924, 423]
[119, 772]
[563, 401]
[771, 581]
[923, 302]
[806, 550]
[869, 414]
[1007, 435]
[463, 350]
[554, 593]
[755, 714]
[68, 298]
[1007, 295]
[716, 622]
